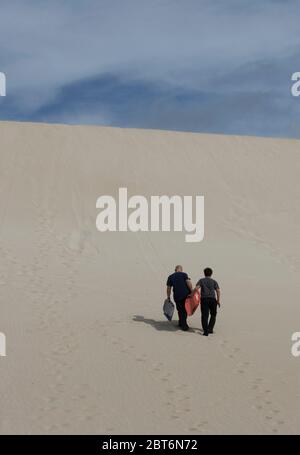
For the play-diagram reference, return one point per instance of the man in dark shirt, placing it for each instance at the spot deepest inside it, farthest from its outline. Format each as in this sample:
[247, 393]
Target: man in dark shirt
[182, 287]
[210, 300]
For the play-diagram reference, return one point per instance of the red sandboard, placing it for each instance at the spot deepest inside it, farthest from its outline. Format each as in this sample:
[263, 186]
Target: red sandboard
[192, 303]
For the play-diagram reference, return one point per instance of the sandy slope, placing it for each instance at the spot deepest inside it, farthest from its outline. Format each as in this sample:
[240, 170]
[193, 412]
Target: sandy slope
[88, 350]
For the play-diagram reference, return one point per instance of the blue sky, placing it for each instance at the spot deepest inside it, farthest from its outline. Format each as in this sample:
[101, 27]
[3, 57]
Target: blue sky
[194, 65]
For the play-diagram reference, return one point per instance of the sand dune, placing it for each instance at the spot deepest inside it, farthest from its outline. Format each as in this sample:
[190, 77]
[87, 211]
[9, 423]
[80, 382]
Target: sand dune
[88, 350]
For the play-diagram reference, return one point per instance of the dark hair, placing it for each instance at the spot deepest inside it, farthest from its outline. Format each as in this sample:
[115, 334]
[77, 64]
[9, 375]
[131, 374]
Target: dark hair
[208, 271]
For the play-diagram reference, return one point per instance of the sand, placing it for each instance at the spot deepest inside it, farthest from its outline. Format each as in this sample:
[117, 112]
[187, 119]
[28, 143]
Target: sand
[88, 349]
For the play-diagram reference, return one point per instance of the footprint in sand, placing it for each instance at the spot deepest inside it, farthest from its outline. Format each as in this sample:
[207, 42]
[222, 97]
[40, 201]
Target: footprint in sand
[177, 404]
[199, 427]
[140, 359]
[263, 404]
[170, 392]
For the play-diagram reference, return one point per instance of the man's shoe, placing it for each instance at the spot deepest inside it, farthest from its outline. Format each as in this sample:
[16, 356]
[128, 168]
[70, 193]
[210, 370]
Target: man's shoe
[205, 334]
[185, 328]
[210, 331]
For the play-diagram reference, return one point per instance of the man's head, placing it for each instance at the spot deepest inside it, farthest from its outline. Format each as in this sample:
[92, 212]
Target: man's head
[178, 268]
[208, 272]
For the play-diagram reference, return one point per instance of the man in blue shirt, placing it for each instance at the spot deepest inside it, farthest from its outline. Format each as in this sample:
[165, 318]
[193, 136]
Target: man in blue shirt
[182, 287]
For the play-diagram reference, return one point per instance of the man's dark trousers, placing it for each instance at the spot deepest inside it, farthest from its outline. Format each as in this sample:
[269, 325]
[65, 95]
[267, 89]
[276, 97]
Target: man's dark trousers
[182, 314]
[208, 308]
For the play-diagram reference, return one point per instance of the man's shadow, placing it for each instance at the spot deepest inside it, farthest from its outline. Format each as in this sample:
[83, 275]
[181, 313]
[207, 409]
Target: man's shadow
[168, 326]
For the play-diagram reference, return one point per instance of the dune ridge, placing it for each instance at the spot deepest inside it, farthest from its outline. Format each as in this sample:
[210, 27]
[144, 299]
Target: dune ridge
[88, 349]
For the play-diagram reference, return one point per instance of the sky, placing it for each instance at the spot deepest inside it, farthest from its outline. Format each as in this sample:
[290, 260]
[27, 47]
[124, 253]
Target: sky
[211, 66]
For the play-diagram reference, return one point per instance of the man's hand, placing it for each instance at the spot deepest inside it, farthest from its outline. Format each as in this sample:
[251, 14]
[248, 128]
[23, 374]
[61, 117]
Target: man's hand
[169, 292]
[219, 304]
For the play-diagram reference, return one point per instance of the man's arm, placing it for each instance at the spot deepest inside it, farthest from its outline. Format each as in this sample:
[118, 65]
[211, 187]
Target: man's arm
[197, 287]
[169, 292]
[189, 285]
[218, 296]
